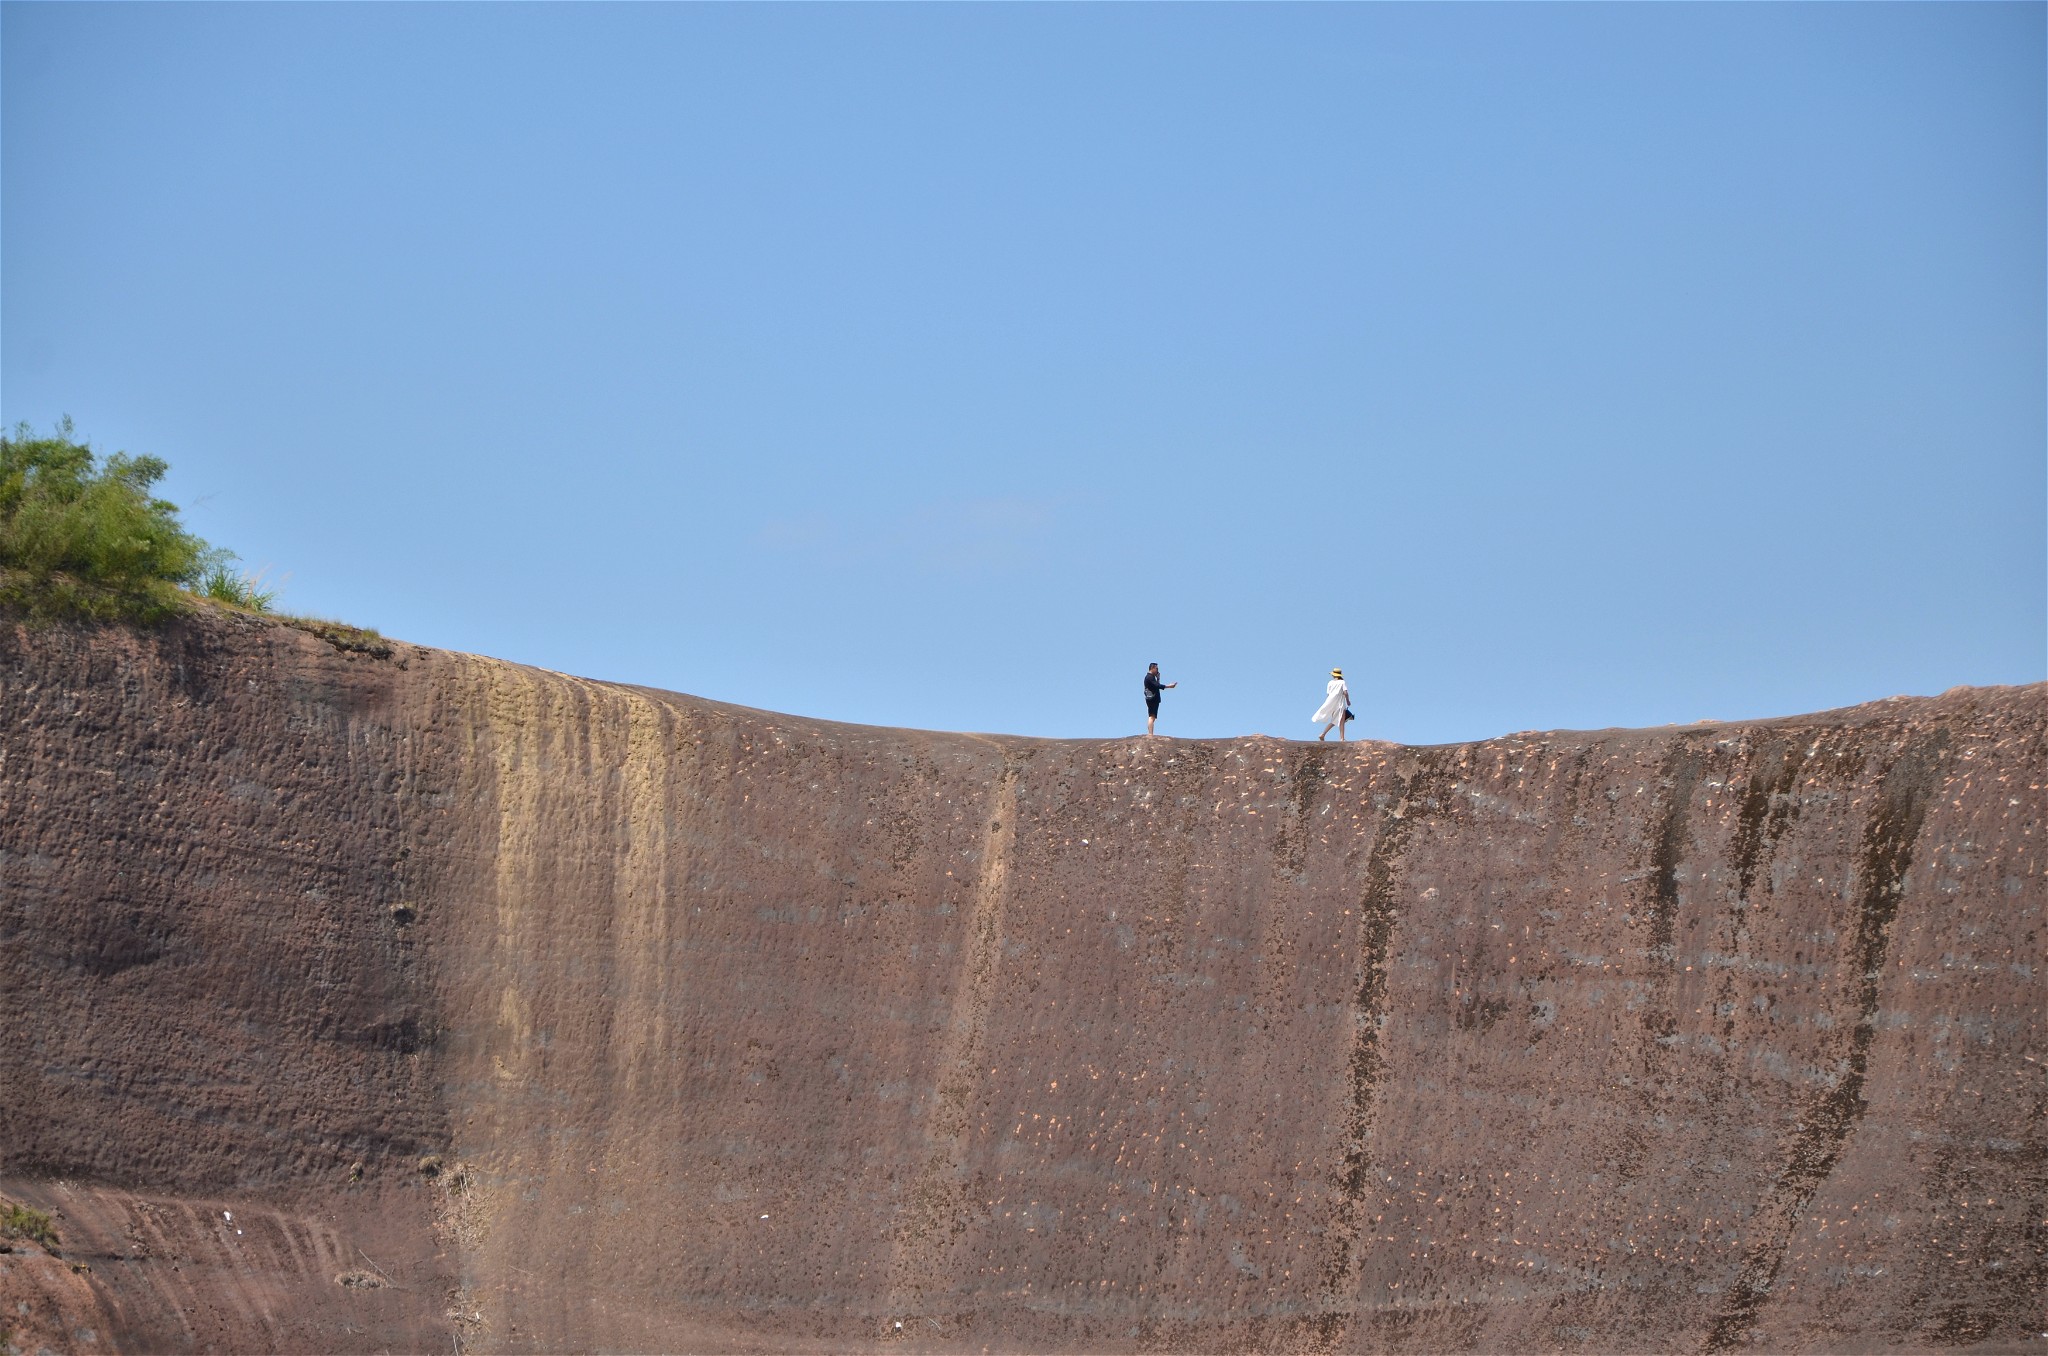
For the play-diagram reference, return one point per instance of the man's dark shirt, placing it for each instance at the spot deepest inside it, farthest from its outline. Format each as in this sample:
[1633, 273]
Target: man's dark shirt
[1152, 686]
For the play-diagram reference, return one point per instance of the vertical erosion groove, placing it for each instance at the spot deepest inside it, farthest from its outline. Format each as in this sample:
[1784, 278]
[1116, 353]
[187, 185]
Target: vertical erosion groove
[1660, 908]
[934, 1212]
[1299, 827]
[1765, 807]
[521, 717]
[642, 1048]
[517, 705]
[1367, 1063]
[1823, 1132]
[1682, 770]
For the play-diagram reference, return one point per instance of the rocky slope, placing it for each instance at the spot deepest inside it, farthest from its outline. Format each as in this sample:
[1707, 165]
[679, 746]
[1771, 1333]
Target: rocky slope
[428, 1002]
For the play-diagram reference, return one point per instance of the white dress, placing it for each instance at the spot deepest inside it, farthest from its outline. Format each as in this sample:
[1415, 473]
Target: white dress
[1334, 705]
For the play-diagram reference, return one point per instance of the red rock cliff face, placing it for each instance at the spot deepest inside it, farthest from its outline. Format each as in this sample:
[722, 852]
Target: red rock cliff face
[355, 1002]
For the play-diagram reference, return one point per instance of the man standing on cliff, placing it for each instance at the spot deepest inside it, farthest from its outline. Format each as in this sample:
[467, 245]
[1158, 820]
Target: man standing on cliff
[1153, 687]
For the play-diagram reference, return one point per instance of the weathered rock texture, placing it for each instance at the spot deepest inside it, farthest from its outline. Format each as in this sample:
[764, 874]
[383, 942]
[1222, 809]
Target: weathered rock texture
[352, 1003]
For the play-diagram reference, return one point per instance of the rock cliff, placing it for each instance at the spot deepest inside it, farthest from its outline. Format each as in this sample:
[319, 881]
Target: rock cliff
[429, 1002]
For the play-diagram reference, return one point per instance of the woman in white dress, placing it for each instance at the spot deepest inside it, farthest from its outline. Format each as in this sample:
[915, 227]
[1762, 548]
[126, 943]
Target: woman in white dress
[1335, 712]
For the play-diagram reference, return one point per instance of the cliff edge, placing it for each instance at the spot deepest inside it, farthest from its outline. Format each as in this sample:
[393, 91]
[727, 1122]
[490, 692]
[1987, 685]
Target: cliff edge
[426, 1001]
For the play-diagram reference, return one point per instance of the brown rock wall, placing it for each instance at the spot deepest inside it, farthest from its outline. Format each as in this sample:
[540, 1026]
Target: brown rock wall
[201, 831]
[739, 1031]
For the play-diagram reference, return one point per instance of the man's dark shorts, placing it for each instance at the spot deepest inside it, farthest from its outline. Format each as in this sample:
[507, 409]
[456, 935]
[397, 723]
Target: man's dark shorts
[1151, 706]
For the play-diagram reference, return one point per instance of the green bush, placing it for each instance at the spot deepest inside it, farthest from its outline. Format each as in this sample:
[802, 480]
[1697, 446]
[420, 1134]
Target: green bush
[223, 583]
[19, 1221]
[81, 536]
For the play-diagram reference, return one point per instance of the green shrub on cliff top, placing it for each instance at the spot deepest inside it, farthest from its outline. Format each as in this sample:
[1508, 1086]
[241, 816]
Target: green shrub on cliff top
[223, 583]
[81, 536]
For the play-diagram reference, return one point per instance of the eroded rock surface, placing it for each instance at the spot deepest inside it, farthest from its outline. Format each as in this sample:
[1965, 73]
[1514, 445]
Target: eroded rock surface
[527, 1013]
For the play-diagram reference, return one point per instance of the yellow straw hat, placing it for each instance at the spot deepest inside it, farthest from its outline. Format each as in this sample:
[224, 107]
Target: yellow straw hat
[1336, 673]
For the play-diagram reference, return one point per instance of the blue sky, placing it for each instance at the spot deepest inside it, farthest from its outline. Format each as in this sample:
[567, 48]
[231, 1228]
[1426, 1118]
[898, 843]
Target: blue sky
[1545, 366]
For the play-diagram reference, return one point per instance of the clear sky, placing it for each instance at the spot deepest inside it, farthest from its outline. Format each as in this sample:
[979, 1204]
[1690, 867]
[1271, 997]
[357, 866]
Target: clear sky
[939, 366]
